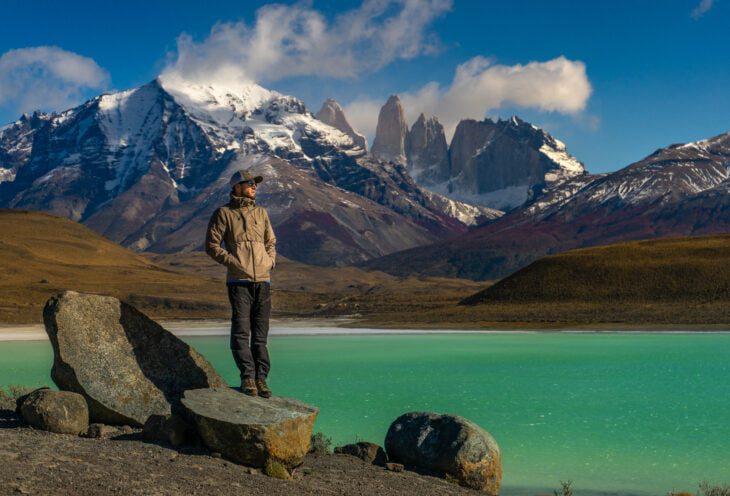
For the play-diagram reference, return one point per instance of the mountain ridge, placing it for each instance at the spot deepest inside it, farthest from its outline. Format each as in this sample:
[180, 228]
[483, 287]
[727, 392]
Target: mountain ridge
[145, 154]
[680, 190]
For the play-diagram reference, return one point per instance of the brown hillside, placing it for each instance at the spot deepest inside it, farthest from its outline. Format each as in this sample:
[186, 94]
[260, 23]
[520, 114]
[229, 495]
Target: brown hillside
[695, 269]
[41, 255]
[681, 283]
[302, 290]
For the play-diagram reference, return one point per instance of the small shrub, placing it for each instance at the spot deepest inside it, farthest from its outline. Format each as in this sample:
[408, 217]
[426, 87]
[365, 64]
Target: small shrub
[14, 391]
[707, 490]
[321, 444]
[566, 489]
[9, 394]
[276, 470]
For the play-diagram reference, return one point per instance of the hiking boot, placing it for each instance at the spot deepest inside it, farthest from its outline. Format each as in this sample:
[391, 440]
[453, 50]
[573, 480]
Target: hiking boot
[263, 389]
[249, 387]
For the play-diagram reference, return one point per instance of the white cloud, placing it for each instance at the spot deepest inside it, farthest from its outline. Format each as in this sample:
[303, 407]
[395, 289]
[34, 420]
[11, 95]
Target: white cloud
[297, 40]
[701, 9]
[558, 85]
[47, 78]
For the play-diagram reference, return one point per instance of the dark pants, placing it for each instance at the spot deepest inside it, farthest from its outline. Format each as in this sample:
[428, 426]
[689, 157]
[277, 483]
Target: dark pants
[251, 306]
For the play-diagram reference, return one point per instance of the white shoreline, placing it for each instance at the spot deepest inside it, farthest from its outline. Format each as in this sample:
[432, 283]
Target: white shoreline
[325, 327]
[278, 328]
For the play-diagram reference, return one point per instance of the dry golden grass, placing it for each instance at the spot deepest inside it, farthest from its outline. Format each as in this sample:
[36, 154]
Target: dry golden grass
[42, 255]
[695, 269]
[666, 281]
[657, 283]
[312, 291]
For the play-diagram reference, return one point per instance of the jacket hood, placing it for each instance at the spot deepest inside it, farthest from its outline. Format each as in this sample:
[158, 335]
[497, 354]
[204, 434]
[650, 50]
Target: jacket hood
[240, 202]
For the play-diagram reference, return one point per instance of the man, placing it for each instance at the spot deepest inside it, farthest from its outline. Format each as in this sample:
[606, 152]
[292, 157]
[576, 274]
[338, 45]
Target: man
[249, 254]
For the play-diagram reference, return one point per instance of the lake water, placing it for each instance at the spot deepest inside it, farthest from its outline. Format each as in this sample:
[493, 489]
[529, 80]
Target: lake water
[638, 413]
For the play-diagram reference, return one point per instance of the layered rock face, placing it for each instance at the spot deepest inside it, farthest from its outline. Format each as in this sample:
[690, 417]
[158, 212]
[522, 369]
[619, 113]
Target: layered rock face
[504, 164]
[390, 134]
[252, 430]
[499, 165]
[332, 114]
[427, 152]
[126, 365]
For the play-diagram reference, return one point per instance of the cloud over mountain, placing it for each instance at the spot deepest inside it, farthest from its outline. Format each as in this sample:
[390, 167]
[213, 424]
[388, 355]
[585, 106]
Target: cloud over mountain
[701, 9]
[47, 77]
[557, 85]
[297, 40]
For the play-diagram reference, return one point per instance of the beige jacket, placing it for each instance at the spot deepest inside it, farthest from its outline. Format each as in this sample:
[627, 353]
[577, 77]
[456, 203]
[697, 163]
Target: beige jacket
[249, 241]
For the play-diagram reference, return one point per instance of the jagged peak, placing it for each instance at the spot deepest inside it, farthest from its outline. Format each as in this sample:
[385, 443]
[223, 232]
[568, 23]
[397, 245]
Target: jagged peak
[331, 102]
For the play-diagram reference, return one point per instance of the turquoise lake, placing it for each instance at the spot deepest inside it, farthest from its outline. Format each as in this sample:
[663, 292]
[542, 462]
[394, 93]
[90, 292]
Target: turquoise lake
[637, 413]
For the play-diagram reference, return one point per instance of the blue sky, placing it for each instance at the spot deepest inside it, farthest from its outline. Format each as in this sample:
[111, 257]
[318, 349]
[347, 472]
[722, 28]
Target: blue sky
[633, 76]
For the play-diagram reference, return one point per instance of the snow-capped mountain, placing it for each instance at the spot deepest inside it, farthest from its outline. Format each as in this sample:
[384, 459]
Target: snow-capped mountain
[147, 166]
[680, 190]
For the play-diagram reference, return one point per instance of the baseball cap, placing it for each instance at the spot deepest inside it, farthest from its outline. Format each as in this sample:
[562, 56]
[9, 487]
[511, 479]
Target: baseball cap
[243, 176]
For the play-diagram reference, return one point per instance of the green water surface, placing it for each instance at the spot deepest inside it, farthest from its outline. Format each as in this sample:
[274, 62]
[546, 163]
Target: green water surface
[627, 413]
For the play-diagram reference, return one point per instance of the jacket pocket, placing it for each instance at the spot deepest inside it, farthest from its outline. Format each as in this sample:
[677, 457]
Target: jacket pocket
[243, 261]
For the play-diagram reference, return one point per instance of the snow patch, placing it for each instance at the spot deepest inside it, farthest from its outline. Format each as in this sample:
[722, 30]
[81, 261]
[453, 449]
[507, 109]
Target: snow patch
[466, 214]
[7, 175]
[560, 156]
[501, 199]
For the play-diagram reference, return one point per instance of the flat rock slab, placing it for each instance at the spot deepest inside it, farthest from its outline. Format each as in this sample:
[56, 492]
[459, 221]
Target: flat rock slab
[126, 365]
[252, 430]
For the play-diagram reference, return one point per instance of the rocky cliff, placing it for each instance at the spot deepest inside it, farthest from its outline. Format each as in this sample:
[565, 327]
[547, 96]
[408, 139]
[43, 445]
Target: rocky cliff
[390, 134]
[427, 152]
[507, 163]
[332, 114]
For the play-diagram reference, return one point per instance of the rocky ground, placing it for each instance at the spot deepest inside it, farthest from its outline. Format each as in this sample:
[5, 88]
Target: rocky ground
[39, 462]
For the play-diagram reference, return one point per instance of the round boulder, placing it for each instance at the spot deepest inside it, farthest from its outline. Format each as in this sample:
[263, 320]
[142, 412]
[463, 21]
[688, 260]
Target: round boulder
[448, 445]
[63, 412]
[252, 430]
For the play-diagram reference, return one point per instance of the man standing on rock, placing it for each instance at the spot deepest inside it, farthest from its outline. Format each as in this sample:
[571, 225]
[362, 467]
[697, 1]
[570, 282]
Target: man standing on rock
[249, 253]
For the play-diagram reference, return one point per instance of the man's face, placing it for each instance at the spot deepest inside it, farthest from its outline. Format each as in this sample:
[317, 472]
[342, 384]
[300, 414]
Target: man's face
[246, 189]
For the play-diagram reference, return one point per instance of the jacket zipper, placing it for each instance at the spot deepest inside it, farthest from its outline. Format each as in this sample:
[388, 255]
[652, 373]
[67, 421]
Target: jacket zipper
[250, 244]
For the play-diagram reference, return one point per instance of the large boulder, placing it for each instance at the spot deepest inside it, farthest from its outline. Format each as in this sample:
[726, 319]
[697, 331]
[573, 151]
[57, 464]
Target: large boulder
[252, 430]
[126, 365]
[63, 412]
[448, 445]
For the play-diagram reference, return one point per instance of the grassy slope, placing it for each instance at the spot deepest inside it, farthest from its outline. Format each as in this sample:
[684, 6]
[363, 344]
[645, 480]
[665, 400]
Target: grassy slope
[42, 255]
[311, 291]
[675, 281]
[671, 270]
[682, 280]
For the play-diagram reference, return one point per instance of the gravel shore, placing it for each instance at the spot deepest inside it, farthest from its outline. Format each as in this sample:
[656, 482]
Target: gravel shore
[38, 462]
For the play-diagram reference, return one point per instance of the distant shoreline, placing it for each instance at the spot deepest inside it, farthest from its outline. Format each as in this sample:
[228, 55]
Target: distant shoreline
[349, 326]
